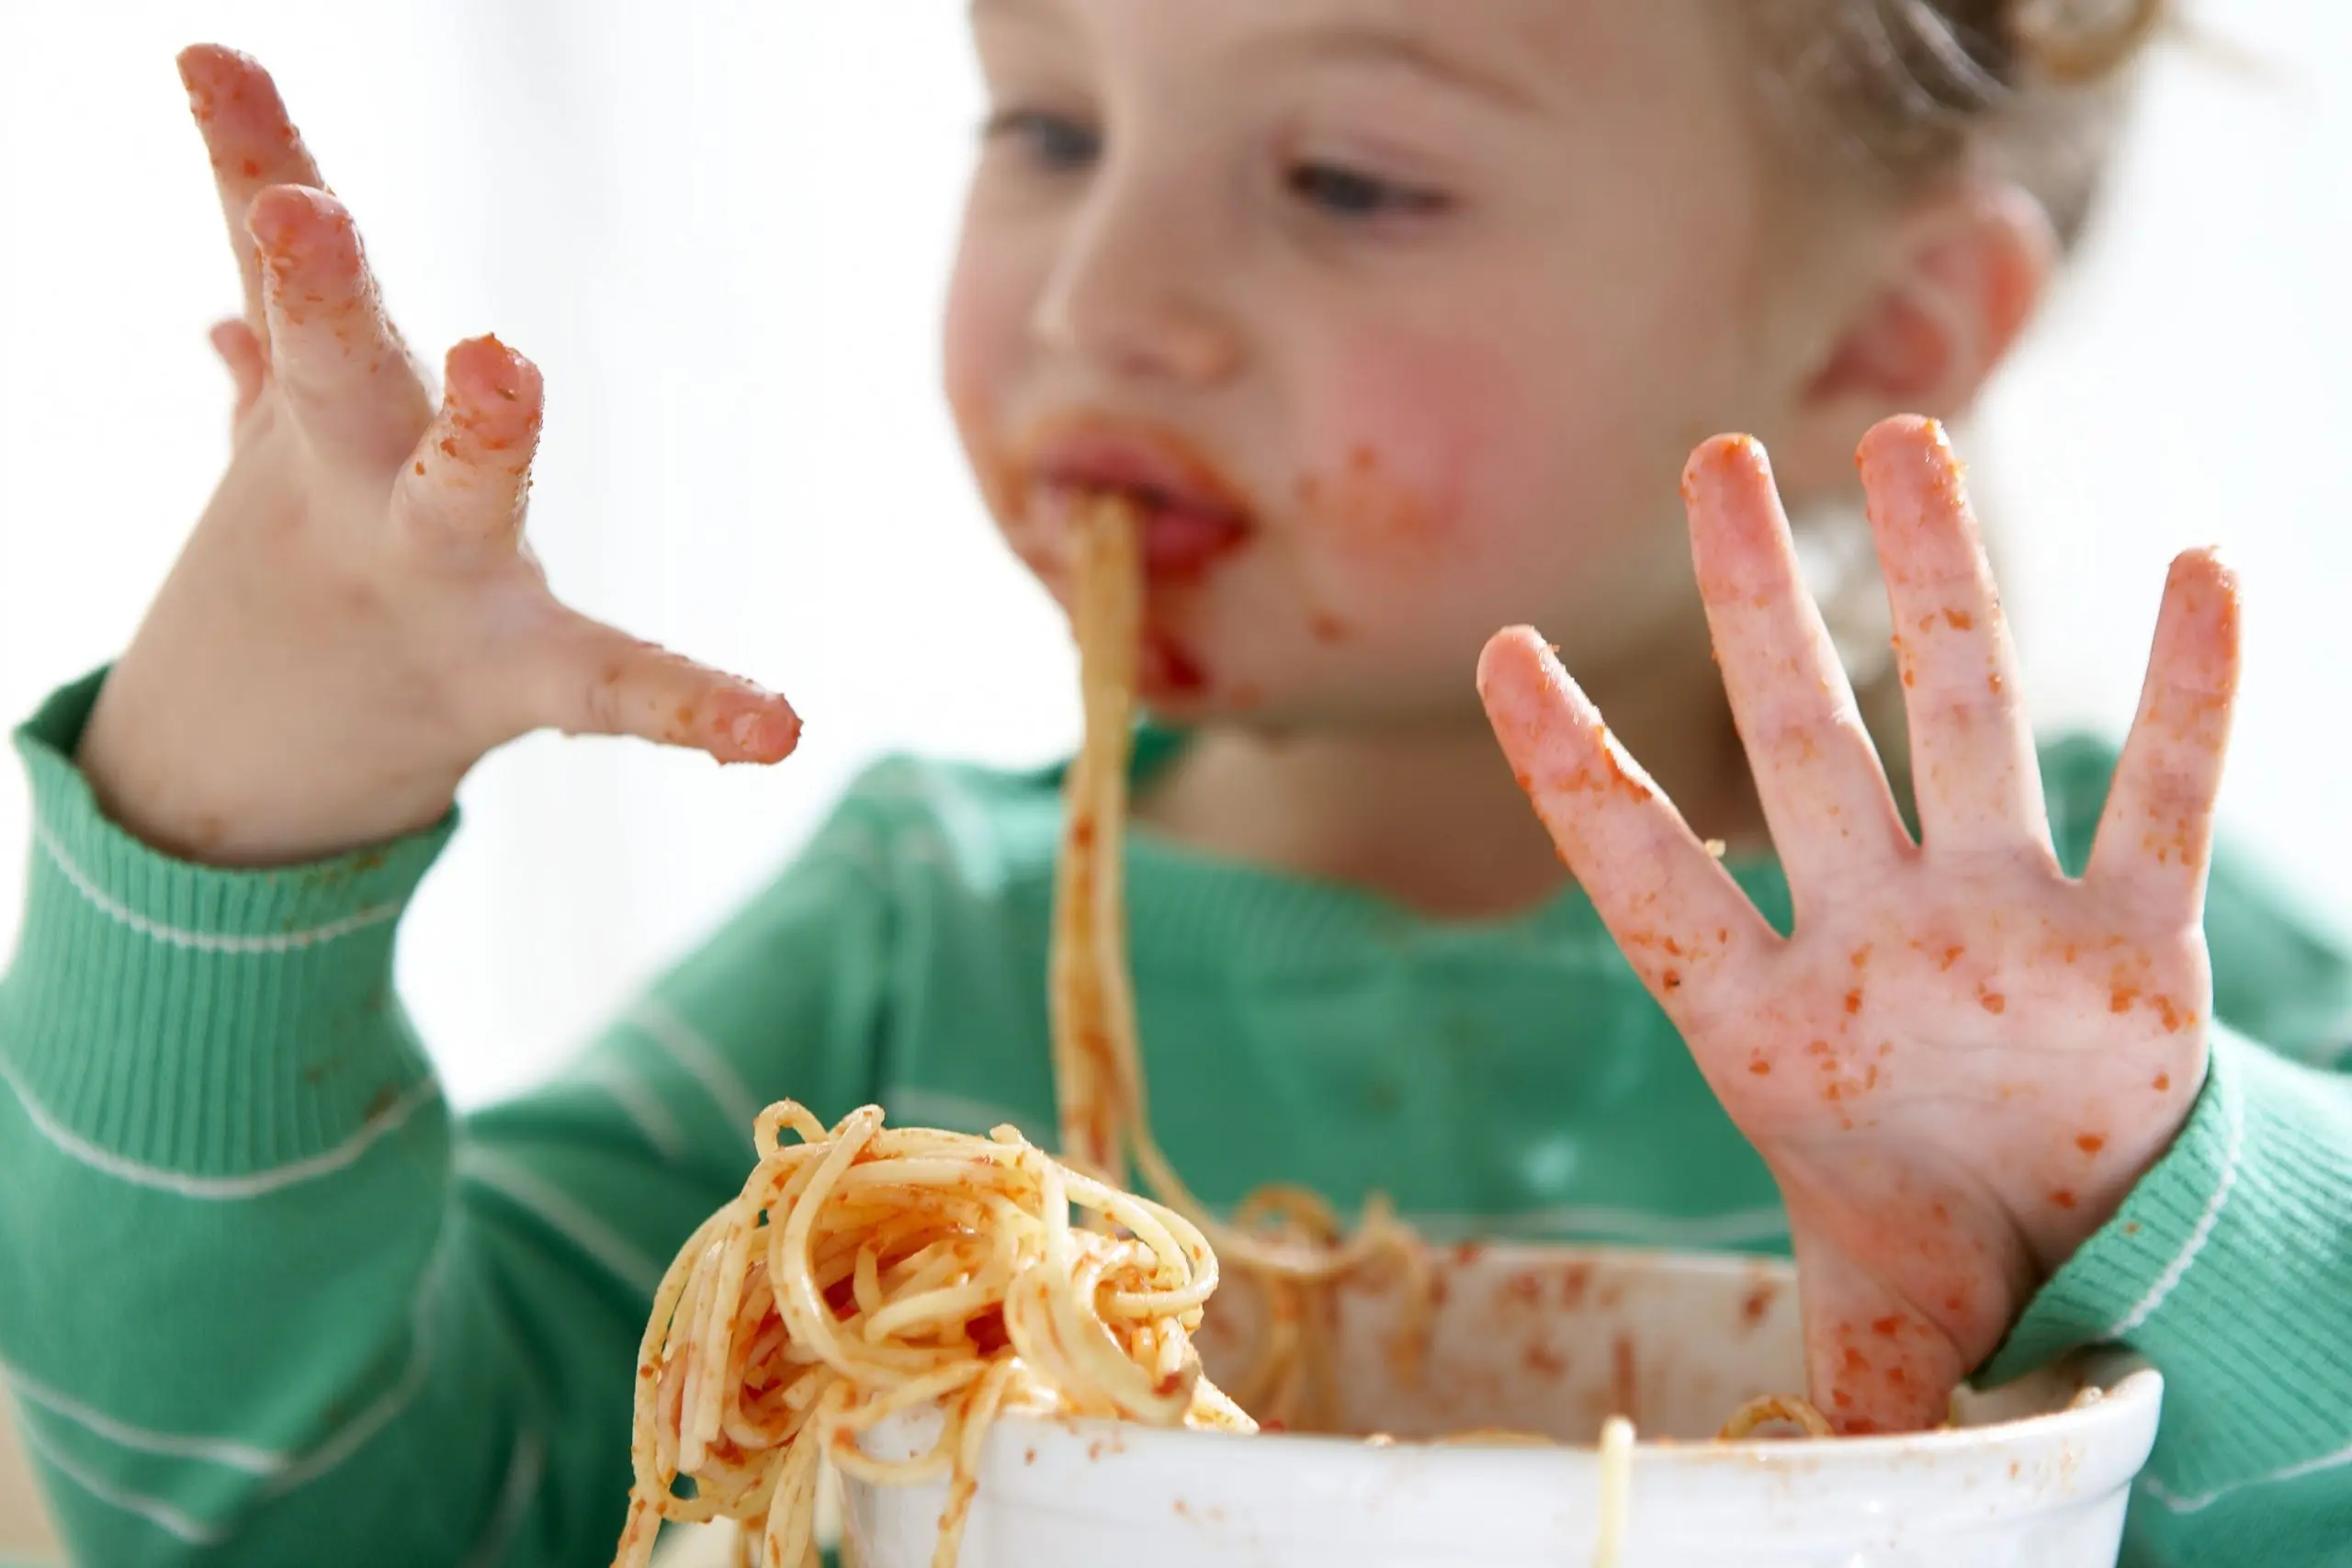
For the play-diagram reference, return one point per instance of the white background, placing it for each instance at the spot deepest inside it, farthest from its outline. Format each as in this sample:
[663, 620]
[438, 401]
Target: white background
[722, 231]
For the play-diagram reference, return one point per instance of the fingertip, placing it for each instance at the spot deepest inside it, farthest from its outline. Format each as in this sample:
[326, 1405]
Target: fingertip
[307, 255]
[1723, 462]
[200, 79]
[2202, 589]
[493, 399]
[200, 65]
[300, 225]
[1739, 532]
[1905, 443]
[203, 58]
[751, 726]
[1509, 655]
[2206, 565]
[485, 371]
[1902, 434]
[766, 737]
[1911, 476]
[1522, 684]
[215, 75]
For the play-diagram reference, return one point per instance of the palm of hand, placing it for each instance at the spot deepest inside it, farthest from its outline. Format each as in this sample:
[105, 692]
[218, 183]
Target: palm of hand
[1962, 1059]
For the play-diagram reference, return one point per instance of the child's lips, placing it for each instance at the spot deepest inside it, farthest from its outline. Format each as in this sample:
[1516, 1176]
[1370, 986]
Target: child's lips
[1180, 535]
[1189, 517]
[1178, 542]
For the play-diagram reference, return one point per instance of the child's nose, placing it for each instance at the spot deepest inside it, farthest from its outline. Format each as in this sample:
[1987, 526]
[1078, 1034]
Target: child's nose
[1134, 293]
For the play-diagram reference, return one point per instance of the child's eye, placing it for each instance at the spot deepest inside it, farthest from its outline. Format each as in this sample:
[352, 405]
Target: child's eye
[1343, 192]
[1054, 142]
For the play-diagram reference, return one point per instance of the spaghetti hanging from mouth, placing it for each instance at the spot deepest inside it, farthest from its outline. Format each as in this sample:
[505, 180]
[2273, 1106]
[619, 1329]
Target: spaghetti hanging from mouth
[1286, 1241]
[865, 1272]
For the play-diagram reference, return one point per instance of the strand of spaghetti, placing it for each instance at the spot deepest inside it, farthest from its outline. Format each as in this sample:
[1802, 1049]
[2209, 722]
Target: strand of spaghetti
[980, 1414]
[707, 1390]
[1109, 643]
[1615, 1452]
[1183, 1248]
[902, 1310]
[807, 1317]
[1770, 1409]
[1106, 617]
[789, 1533]
[1095, 1358]
[931, 1390]
[645, 1436]
[792, 1514]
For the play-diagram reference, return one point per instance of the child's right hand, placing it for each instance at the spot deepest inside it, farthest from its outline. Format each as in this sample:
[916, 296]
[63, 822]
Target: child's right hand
[357, 618]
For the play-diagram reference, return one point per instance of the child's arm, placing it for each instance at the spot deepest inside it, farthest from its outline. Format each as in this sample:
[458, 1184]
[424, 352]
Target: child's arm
[269, 1301]
[1994, 1096]
[2229, 1265]
[265, 1300]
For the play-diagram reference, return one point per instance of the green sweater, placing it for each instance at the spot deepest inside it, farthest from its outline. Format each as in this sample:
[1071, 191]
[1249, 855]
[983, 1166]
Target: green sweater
[270, 1301]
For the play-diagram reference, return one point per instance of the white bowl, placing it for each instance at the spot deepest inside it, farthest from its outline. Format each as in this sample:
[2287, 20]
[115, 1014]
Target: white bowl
[1551, 1340]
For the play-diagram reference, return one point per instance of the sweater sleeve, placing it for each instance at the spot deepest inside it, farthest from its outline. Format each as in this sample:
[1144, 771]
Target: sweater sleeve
[267, 1296]
[2229, 1266]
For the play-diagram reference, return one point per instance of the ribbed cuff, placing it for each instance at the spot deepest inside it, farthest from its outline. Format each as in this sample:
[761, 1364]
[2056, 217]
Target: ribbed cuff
[209, 1021]
[2230, 1267]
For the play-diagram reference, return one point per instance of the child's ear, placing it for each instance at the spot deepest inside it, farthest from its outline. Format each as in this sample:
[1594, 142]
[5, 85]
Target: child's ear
[1962, 278]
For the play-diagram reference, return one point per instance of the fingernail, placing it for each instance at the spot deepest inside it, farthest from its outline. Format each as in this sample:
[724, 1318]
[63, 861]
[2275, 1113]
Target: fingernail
[765, 734]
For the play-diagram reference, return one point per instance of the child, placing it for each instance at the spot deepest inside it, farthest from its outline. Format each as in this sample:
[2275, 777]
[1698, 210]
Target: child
[1395, 330]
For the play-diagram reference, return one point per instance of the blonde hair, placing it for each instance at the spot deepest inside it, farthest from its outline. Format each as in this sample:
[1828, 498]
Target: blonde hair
[1895, 94]
[1883, 98]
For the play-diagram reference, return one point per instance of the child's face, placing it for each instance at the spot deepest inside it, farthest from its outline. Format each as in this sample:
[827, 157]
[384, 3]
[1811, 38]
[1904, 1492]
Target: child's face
[1400, 318]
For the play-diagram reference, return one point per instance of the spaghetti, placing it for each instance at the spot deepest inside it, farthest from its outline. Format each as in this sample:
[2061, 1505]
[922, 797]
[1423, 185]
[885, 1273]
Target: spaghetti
[1285, 1242]
[865, 1271]
[1771, 1410]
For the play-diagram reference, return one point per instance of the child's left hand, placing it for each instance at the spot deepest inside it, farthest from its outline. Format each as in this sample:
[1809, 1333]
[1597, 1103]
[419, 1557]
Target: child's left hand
[1962, 1060]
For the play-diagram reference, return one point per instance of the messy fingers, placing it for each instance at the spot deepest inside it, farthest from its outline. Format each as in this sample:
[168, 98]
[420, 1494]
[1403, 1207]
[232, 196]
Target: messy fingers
[1817, 774]
[343, 371]
[252, 143]
[2156, 833]
[598, 680]
[465, 484]
[1974, 768]
[1676, 912]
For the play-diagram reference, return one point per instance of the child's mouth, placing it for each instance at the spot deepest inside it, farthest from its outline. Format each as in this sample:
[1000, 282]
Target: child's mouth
[1191, 515]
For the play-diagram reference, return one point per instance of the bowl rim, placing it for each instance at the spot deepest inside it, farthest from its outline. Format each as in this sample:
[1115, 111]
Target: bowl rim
[1991, 1474]
[1298, 1487]
[2130, 1386]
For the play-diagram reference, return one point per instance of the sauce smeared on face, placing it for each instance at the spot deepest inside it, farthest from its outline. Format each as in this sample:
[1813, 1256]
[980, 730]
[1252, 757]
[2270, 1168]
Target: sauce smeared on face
[1368, 508]
[1169, 667]
[1194, 518]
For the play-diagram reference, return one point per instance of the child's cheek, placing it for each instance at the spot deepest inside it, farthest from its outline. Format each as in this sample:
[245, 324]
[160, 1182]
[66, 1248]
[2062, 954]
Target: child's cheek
[979, 359]
[1406, 444]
